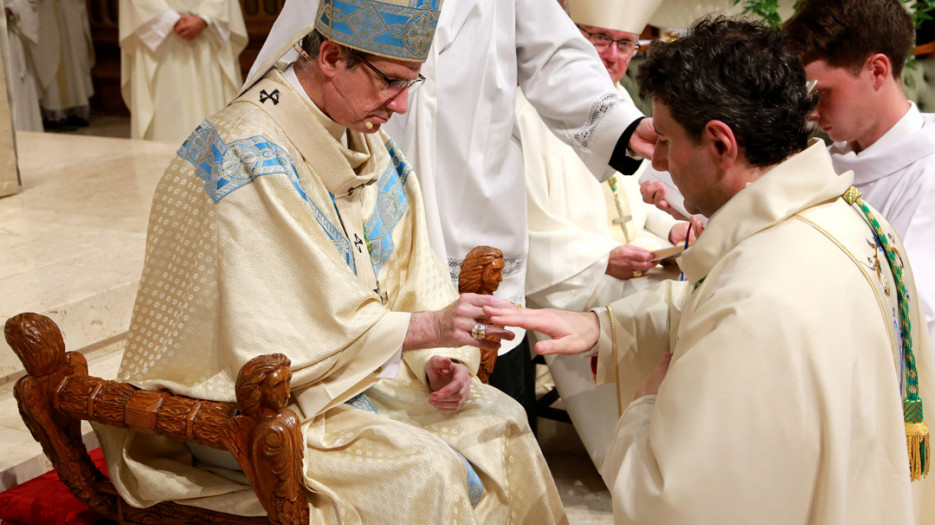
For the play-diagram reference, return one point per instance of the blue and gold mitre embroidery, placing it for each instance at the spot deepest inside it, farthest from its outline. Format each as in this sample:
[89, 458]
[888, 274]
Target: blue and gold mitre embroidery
[400, 29]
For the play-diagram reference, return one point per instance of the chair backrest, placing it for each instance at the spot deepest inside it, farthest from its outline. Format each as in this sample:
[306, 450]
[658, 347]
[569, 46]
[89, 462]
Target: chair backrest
[57, 393]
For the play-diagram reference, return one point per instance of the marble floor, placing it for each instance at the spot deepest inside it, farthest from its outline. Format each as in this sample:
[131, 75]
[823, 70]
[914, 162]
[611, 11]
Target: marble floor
[73, 238]
[71, 247]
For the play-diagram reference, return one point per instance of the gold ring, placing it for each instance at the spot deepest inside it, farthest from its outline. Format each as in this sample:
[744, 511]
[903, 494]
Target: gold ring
[637, 273]
[479, 331]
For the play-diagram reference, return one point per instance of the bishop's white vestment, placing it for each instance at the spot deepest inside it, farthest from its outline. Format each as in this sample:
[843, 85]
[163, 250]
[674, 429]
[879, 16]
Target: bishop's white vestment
[22, 37]
[277, 230]
[782, 399]
[170, 84]
[897, 176]
[458, 130]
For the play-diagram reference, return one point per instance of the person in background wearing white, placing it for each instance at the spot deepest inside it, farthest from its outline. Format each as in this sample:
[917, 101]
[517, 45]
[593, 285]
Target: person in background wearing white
[63, 58]
[855, 50]
[178, 63]
[22, 23]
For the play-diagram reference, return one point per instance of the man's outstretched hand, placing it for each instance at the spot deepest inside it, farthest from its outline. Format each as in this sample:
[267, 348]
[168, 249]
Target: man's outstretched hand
[570, 332]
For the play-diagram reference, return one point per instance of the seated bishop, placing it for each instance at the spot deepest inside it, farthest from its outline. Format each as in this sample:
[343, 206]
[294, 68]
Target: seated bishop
[289, 222]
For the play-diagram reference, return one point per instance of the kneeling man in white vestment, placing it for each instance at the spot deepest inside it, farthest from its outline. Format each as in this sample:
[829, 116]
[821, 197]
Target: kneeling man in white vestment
[290, 223]
[784, 380]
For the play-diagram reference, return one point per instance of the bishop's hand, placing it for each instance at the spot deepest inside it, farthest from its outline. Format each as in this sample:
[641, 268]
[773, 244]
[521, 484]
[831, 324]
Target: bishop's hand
[450, 382]
[452, 326]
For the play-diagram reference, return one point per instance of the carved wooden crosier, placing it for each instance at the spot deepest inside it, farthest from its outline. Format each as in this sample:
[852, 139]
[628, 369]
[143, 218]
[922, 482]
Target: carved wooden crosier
[481, 273]
[259, 431]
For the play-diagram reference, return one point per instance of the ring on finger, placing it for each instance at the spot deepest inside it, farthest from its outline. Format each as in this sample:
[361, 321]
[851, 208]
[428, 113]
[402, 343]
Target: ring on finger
[637, 273]
[479, 331]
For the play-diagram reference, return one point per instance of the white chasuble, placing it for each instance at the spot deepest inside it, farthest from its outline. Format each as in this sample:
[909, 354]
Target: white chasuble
[897, 177]
[782, 402]
[169, 84]
[249, 252]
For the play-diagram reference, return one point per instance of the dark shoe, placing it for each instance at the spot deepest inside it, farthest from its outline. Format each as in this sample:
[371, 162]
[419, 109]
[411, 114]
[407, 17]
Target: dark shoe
[76, 121]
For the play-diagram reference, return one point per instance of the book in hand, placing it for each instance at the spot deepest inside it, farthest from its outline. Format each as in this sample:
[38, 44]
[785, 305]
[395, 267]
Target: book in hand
[667, 254]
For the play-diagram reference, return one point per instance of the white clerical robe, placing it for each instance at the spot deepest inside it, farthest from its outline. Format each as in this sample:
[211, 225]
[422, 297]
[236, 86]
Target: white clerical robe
[457, 132]
[63, 58]
[571, 221]
[782, 399]
[170, 84]
[897, 176]
[277, 230]
[571, 233]
[22, 36]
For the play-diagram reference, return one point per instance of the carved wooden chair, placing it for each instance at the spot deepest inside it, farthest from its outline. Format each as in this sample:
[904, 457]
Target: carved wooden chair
[57, 393]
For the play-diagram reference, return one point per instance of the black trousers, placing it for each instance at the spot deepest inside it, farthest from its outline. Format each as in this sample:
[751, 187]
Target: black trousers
[515, 374]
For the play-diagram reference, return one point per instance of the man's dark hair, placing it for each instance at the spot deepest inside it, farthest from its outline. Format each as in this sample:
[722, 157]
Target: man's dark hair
[844, 33]
[312, 42]
[739, 72]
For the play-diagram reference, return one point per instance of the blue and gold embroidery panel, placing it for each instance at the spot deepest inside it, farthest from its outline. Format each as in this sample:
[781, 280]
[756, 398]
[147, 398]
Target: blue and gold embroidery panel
[391, 205]
[225, 167]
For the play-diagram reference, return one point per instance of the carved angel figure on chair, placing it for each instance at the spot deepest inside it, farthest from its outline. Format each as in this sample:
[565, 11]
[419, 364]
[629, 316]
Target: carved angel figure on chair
[482, 273]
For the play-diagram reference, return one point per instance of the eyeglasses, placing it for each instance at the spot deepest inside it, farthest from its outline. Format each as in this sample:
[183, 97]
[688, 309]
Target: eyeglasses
[394, 86]
[602, 42]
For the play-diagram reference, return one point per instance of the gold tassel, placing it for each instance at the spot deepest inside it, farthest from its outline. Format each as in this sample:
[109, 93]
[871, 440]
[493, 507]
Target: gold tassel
[917, 440]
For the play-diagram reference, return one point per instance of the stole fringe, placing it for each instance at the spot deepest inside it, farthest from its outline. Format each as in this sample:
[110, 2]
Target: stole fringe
[917, 441]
